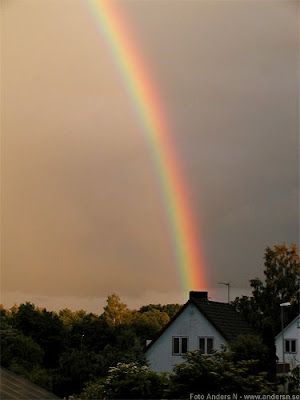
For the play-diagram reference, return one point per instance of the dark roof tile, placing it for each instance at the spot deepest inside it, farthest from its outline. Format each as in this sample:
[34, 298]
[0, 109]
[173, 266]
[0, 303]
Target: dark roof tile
[224, 318]
[15, 387]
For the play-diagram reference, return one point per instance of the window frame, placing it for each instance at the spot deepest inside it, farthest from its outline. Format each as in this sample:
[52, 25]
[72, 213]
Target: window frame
[205, 344]
[290, 346]
[180, 353]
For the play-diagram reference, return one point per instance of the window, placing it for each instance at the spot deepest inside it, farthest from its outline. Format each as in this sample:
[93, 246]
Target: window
[206, 345]
[290, 346]
[180, 345]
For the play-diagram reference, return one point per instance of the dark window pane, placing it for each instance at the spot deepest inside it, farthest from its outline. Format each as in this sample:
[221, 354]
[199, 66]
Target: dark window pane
[209, 345]
[183, 345]
[287, 346]
[176, 345]
[293, 346]
[202, 345]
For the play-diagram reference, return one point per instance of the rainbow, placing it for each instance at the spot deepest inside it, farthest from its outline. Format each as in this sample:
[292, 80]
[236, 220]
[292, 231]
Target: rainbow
[140, 88]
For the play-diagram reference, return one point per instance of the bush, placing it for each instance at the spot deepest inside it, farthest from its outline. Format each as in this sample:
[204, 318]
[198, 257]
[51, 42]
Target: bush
[131, 381]
[215, 374]
[21, 351]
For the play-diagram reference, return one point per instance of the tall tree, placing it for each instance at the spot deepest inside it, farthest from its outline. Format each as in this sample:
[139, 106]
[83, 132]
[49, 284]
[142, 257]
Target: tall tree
[116, 312]
[282, 284]
[44, 327]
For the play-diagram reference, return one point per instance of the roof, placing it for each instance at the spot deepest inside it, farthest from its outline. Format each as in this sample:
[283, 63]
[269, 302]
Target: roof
[12, 386]
[225, 319]
[286, 327]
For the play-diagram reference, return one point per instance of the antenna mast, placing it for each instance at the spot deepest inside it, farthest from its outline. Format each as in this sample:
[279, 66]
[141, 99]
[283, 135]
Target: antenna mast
[228, 289]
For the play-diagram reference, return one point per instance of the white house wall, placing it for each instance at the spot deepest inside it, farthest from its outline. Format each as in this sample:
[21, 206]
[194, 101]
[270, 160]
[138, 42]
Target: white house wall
[190, 323]
[291, 332]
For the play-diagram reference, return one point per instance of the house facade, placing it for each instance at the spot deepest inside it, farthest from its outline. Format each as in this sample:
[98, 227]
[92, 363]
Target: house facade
[291, 341]
[200, 325]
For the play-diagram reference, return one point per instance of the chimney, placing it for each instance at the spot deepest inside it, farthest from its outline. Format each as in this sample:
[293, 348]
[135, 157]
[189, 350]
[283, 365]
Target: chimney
[199, 295]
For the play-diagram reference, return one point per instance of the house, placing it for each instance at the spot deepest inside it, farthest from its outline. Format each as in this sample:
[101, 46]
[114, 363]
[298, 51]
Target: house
[199, 324]
[291, 339]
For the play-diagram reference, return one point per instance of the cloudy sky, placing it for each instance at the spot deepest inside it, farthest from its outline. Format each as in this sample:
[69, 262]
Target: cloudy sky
[81, 214]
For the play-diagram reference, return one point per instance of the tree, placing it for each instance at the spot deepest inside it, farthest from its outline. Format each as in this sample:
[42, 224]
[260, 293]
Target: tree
[282, 271]
[69, 318]
[170, 309]
[251, 347]
[216, 374]
[93, 390]
[88, 330]
[116, 312]
[20, 352]
[149, 323]
[282, 284]
[44, 327]
[76, 368]
[131, 381]
[5, 318]
[41, 377]
[294, 381]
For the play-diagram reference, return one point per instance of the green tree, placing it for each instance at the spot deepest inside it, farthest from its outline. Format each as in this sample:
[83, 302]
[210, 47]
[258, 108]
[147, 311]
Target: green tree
[132, 381]
[294, 381]
[93, 390]
[40, 376]
[170, 309]
[90, 332]
[20, 351]
[116, 312]
[75, 369]
[216, 374]
[282, 284]
[251, 347]
[149, 323]
[126, 348]
[5, 318]
[70, 318]
[44, 327]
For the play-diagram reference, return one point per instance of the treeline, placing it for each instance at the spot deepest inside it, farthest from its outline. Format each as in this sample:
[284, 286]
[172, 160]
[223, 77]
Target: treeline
[63, 351]
[102, 356]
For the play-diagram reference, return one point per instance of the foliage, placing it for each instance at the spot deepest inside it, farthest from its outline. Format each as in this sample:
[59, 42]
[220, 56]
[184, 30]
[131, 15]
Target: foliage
[44, 327]
[23, 356]
[40, 376]
[250, 347]
[132, 381]
[282, 284]
[114, 354]
[93, 390]
[21, 351]
[71, 318]
[294, 381]
[149, 323]
[170, 309]
[116, 312]
[87, 330]
[5, 318]
[215, 374]
[75, 369]
[262, 309]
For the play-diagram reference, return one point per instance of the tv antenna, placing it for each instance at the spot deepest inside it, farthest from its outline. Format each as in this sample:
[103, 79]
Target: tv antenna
[228, 289]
